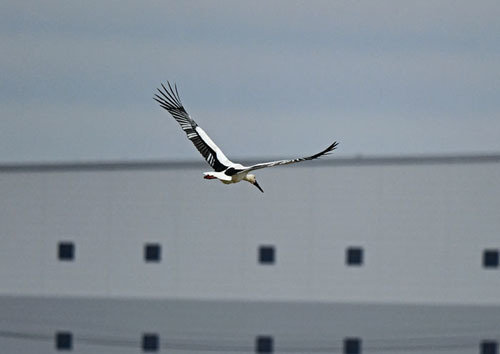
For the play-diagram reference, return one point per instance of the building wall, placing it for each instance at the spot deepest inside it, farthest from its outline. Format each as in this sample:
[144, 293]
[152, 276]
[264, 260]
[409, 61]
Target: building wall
[109, 326]
[423, 229]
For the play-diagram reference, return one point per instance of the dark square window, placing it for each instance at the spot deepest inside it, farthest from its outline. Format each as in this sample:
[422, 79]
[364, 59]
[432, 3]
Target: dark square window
[150, 342]
[152, 252]
[66, 251]
[490, 258]
[64, 341]
[352, 346]
[489, 347]
[354, 256]
[267, 255]
[264, 344]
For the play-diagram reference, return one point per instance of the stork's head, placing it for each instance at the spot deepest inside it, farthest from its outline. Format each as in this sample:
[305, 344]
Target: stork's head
[251, 178]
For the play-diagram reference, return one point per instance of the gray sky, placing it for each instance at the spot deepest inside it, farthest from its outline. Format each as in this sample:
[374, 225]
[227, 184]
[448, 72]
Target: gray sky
[264, 79]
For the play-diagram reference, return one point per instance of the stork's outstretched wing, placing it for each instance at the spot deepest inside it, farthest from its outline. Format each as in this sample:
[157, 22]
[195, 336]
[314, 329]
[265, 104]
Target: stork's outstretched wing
[286, 162]
[170, 100]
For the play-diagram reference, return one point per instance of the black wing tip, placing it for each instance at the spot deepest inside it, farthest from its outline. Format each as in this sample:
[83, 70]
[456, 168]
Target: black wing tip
[327, 151]
[169, 97]
[332, 147]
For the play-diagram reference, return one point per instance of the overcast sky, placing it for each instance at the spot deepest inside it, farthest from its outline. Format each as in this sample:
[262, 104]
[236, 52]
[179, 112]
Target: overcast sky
[264, 79]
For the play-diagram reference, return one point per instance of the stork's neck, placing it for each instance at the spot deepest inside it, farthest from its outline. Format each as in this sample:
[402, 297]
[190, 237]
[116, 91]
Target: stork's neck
[249, 178]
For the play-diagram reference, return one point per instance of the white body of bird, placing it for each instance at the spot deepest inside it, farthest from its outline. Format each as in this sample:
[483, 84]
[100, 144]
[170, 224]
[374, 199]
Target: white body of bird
[242, 176]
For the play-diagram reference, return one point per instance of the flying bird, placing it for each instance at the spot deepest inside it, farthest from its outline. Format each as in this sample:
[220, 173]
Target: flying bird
[225, 170]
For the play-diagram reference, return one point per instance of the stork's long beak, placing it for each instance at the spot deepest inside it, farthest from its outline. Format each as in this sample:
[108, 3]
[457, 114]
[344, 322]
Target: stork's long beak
[257, 185]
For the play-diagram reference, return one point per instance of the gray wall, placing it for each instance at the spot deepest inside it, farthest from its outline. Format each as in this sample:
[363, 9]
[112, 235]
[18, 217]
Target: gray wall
[109, 326]
[423, 225]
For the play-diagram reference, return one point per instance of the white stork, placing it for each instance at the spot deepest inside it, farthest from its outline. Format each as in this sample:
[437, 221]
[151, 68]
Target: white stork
[224, 170]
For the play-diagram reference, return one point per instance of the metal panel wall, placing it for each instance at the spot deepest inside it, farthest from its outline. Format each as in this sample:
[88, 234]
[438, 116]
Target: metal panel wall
[423, 228]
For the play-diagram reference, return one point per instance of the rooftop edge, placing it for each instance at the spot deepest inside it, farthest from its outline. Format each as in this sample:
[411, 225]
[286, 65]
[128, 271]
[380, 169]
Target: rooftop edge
[358, 160]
